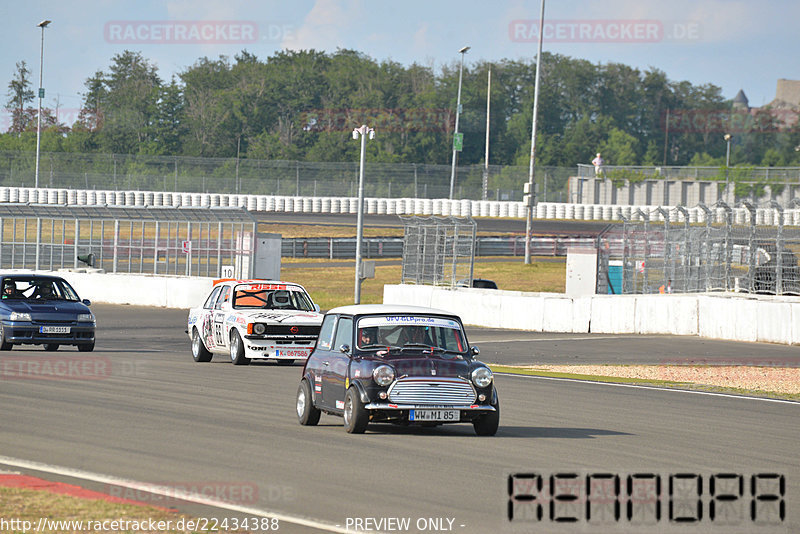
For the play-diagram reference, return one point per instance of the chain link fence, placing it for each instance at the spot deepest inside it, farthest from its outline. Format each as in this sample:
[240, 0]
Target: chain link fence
[162, 241]
[438, 251]
[725, 253]
[116, 172]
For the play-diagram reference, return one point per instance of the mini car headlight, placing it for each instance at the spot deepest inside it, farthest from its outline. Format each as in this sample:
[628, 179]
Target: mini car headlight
[259, 328]
[482, 377]
[85, 318]
[383, 375]
[17, 316]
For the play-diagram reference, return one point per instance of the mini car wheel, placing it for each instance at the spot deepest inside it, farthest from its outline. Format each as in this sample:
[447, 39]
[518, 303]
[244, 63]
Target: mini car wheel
[307, 414]
[199, 351]
[486, 425]
[3, 344]
[237, 350]
[51, 347]
[86, 347]
[355, 415]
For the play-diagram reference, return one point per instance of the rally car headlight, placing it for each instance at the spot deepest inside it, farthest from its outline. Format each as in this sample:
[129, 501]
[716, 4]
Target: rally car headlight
[17, 316]
[482, 377]
[85, 318]
[259, 328]
[383, 375]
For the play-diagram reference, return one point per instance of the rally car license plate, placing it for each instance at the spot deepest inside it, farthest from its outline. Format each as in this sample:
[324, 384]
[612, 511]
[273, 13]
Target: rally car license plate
[54, 329]
[434, 415]
[283, 353]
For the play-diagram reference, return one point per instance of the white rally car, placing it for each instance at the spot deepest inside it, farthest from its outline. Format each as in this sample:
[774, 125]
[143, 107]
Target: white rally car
[247, 319]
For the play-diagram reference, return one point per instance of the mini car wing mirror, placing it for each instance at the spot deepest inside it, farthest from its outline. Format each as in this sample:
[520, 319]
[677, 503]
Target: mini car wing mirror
[475, 350]
[87, 302]
[345, 349]
[316, 308]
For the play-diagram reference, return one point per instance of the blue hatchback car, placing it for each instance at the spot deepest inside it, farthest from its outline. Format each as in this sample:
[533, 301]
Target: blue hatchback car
[43, 310]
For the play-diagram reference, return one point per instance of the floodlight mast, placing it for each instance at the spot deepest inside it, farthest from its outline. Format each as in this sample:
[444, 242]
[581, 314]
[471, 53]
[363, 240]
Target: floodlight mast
[44, 24]
[363, 132]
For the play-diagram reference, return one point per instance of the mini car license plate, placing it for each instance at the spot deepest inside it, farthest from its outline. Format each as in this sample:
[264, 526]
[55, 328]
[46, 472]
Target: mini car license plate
[54, 329]
[434, 415]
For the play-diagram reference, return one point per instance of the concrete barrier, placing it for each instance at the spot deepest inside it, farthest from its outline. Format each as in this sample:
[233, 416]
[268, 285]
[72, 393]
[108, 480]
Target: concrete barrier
[140, 290]
[729, 316]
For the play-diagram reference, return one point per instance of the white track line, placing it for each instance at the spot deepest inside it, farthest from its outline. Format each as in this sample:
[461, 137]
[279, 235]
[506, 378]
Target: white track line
[168, 492]
[534, 340]
[674, 390]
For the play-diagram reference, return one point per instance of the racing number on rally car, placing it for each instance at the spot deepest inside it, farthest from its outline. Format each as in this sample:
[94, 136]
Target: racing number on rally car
[219, 337]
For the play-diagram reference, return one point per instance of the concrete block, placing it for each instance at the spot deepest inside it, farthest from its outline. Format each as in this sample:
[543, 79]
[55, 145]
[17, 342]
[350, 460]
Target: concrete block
[557, 314]
[613, 314]
[774, 321]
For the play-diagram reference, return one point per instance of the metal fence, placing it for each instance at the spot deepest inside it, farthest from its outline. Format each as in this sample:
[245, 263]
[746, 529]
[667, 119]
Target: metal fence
[745, 174]
[673, 255]
[392, 247]
[117, 172]
[176, 241]
[438, 251]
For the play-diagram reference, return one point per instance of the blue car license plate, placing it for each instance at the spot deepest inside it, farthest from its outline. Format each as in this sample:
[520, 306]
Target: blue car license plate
[54, 329]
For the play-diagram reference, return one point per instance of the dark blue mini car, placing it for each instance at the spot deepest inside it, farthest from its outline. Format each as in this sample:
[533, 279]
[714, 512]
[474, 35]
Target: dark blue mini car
[404, 365]
[43, 310]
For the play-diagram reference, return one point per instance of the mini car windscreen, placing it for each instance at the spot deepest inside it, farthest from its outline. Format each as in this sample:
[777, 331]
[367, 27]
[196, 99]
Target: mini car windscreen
[37, 289]
[270, 297]
[408, 331]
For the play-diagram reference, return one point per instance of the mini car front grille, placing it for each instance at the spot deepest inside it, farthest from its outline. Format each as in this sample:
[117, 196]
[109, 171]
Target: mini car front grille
[443, 391]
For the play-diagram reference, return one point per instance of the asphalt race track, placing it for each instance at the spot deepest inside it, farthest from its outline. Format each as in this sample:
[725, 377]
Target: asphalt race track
[139, 408]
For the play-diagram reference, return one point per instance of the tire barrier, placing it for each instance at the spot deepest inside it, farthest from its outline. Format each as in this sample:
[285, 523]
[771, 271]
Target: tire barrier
[385, 206]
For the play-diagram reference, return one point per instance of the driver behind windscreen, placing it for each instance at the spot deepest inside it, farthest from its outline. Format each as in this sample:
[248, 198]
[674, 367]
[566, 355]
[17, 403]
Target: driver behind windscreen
[367, 337]
[10, 290]
[416, 335]
[45, 291]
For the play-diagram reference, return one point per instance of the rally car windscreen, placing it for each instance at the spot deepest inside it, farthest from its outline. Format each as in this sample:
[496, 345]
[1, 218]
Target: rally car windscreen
[270, 297]
[404, 331]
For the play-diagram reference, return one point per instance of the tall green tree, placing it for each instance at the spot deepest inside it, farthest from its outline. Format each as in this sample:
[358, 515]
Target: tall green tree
[19, 95]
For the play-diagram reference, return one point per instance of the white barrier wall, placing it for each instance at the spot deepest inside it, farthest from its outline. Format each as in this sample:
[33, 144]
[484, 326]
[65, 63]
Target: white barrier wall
[730, 316]
[140, 290]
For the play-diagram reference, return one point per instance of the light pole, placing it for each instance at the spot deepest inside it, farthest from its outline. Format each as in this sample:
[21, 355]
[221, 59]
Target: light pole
[363, 131]
[42, 25]
[486, 157]
[530, 188]
[455, 133]
[727, 138]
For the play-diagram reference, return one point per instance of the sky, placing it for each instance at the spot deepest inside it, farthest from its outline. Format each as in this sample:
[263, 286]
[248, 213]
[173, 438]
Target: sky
[733, 44]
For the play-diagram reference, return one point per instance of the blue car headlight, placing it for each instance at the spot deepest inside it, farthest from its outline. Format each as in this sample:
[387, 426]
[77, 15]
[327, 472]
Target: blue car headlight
[85, 317]
[17, 316]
